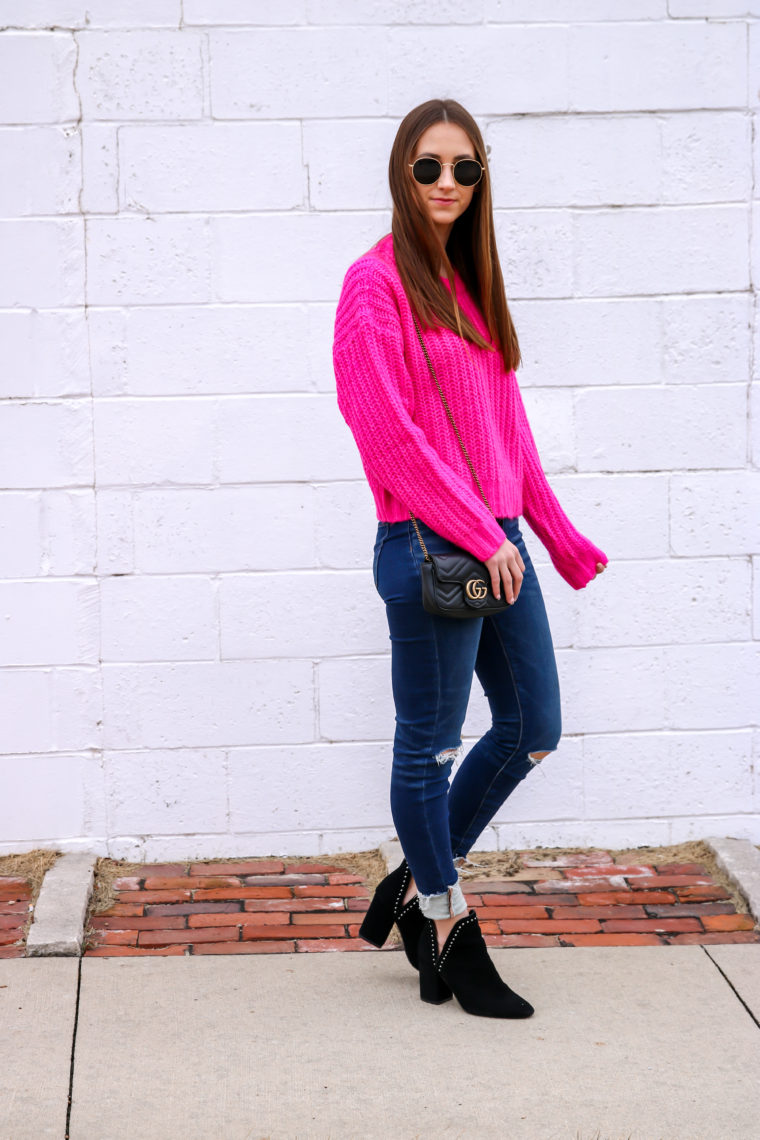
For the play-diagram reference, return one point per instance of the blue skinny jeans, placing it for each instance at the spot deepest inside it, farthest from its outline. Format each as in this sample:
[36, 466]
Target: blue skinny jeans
[438, 819]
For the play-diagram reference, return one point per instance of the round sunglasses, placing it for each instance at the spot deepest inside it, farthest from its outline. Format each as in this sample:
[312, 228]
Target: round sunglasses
[467, 171]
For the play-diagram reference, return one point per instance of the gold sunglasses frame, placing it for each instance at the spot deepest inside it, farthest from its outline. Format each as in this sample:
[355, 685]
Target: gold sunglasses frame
[453, 165]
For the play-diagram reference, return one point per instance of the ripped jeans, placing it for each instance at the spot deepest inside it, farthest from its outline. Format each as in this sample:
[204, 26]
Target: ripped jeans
[432, 663]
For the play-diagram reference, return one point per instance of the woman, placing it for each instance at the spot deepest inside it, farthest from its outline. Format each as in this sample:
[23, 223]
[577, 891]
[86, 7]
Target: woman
[439, 266]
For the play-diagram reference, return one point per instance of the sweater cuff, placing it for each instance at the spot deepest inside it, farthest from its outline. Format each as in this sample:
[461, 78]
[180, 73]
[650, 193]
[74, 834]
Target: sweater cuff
[580, 569]
[486, 540]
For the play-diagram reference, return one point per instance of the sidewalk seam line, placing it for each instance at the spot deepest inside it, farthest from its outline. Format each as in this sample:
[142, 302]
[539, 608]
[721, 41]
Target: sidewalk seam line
[73, 1049]
[731, 985]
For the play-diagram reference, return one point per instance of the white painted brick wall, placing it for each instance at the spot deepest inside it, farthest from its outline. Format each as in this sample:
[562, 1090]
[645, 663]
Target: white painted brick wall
[227, 703]
[46, 163]
[38, 75]
[141, 74]
[210, 167]
[49, 623]
[148, 260]
[228, 529]
[46, 444]
[193, 660]
[45, 353]
[42, 264]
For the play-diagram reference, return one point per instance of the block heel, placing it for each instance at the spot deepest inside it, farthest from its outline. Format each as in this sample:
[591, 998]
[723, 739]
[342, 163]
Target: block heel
[378, 921]
[433, 989]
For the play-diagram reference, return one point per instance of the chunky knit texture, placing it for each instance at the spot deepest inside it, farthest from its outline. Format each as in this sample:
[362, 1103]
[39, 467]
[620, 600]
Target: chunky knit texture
[408, 448]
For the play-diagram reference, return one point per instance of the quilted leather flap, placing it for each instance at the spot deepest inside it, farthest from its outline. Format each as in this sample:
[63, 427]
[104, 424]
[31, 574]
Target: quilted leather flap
[455, 567]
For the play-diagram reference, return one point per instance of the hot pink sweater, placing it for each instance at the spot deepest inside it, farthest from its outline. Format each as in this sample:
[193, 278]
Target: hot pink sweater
[408, 448]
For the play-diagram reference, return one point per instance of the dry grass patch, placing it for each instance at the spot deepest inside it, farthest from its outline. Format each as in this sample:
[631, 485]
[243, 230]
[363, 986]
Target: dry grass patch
[107, 871]
[31, 865]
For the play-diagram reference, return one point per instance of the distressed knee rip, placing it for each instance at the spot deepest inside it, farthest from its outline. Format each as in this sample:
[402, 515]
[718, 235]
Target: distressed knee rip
[450, 755]
[536, 757]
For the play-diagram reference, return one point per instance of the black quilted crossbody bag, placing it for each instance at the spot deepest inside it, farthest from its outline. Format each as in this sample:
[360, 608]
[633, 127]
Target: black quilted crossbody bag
[456, 585]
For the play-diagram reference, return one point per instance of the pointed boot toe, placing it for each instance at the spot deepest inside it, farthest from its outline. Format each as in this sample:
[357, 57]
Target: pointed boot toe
[465, 969]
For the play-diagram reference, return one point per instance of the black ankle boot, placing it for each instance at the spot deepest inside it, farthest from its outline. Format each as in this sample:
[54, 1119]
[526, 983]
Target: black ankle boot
[465, 970]
[387, 907]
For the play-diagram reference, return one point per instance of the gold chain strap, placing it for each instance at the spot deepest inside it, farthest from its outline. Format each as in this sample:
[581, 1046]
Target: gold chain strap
[456, 429]
[419, 536]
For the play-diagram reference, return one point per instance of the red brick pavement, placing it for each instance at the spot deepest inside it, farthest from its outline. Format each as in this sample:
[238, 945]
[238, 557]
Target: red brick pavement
[15, 902]
[274, 906]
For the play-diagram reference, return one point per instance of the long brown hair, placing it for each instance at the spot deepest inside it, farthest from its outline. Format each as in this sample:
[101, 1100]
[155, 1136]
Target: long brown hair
[471, 248]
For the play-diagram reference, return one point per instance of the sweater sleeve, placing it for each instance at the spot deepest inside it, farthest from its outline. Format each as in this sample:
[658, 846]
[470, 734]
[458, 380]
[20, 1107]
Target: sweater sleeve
[371, 377]
[574, 556]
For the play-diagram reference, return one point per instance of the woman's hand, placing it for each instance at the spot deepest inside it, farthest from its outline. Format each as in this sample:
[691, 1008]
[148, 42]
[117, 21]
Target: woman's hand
[506, 566]
[599, 568]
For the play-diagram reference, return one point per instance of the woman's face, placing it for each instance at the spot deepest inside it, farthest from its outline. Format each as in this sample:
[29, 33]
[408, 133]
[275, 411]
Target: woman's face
[444, 200]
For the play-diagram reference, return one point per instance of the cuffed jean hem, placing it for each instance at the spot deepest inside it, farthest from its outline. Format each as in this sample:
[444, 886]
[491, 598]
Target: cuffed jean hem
[448, 904]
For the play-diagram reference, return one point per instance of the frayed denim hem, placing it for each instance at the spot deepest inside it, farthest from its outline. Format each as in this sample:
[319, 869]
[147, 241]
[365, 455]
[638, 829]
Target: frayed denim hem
[448, 904]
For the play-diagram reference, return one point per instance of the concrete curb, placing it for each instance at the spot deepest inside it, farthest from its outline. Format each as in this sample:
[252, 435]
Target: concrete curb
[58, 924]
[392, 853]
[740, 860]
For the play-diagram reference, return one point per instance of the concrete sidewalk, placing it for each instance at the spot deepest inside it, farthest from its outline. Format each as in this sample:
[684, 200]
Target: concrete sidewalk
[627, 1043]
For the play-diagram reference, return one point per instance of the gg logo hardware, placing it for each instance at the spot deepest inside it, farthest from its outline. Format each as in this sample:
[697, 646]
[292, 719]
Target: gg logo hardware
[476, 589]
